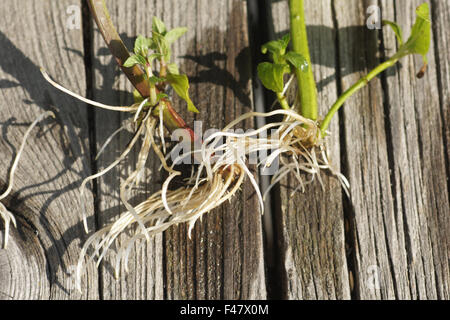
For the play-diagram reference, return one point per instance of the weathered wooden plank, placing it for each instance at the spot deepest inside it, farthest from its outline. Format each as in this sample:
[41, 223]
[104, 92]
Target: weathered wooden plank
[224, 259]
[395, 163]
[40, 260]
[228, 249]
[441, 27]
[394, 156]
[419, 167]
[311, 226]
[145, 278]
[366, 152]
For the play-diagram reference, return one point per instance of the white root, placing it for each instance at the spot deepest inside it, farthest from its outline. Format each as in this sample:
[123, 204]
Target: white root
[108, 141]
[6, 215]
[296, 141]
[161, 129]
[104, 171]
[153, 213]
[139, 110]
[132, 108]
[135, 176]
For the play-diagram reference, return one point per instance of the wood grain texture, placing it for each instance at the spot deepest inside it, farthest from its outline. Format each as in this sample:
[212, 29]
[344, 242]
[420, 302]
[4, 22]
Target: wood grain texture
[395, 163]
[441, 27]
[311, 224]
[366, 157]
[145, 278]
[418, 157]
[224, 258]
[391, 240]
[441, 23]
[40, 259]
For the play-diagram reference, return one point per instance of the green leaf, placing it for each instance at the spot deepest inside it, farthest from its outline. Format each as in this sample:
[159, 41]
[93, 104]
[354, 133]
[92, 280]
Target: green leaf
[285, 40]
[397, 30]
[141, 45]
[158, 26]
[173, 68]
[297, 60]
[154, 56]
[272, 47]
[161, 96]
[420, 38]
[180, 84]
[154, 80]
[271, 75]
[172, 35]
[276, 47]
[133, 60]
[419, 41]
[161, 46]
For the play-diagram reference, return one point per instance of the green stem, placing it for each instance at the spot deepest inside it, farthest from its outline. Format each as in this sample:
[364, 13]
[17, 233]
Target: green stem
[152, 87]
[358, 85]
[307, 91]
[283, 101]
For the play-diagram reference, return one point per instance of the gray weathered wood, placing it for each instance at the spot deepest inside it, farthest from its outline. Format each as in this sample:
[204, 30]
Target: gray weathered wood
[395, 163]
[441, 20]
[224, 258]
[391, 141]
[312, 242]
[418, 165]
[39, 262]
[145, 279]
[441, 27]
[366, 156]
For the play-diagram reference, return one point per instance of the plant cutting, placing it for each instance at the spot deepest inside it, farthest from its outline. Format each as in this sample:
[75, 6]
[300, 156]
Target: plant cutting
[150, 112]
[298, 141]
[5, 214]
[297, 62]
